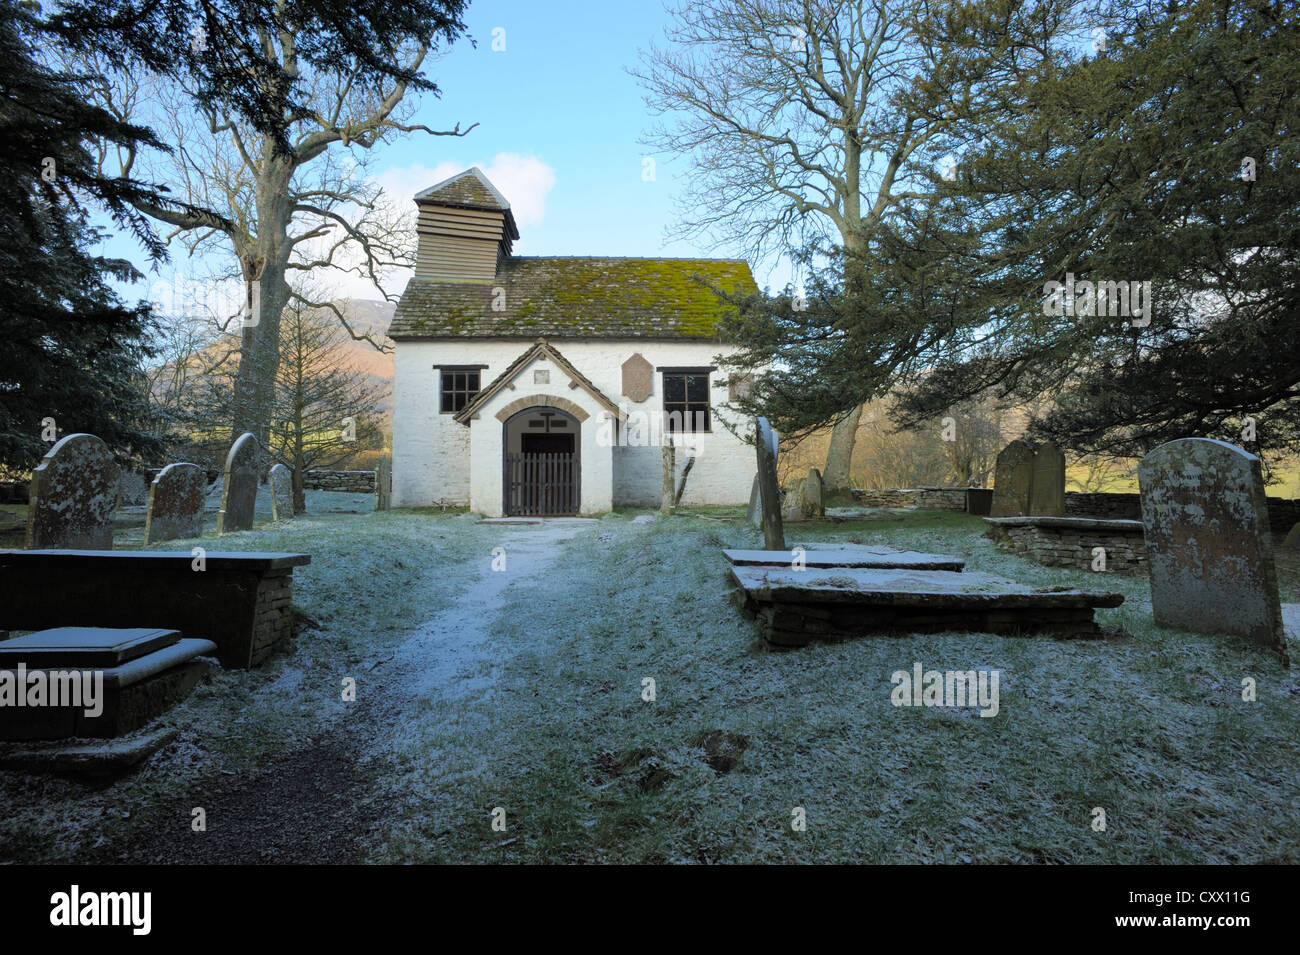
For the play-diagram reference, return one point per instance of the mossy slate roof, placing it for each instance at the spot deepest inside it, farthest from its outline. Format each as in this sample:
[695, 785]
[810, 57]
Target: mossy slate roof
[573, 297]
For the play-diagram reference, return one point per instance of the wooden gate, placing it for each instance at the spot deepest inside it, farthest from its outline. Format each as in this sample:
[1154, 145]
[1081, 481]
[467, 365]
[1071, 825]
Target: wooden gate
[541, 485]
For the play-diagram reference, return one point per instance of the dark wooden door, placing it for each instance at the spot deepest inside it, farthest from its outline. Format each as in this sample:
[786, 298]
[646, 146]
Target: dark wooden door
[541, 484]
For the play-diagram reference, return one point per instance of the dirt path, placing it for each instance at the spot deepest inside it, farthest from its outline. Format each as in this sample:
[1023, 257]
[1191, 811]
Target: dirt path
[317, 803]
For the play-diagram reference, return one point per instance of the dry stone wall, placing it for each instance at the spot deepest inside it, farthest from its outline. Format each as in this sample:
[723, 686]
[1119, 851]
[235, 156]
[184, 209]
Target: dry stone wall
[353, 482]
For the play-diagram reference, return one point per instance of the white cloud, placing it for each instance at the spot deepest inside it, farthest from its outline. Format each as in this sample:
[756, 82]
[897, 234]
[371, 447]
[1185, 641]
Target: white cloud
[525, 181]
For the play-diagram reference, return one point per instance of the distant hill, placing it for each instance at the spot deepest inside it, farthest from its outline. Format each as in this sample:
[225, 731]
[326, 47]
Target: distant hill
[369, 317]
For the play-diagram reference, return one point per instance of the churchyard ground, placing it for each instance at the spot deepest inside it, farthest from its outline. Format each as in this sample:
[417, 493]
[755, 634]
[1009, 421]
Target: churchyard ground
[522, 688]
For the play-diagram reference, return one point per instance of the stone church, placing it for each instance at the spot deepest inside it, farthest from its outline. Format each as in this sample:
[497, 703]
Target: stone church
[547, 385]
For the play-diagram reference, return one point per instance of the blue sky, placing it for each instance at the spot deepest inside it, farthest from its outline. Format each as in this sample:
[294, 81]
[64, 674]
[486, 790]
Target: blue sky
[560, 129]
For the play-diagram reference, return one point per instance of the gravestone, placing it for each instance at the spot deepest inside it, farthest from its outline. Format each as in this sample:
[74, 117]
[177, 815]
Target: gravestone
[1209, 550]
[133, 489]
[384, 484]
[792, 502]
[754, 514]
[239, 486]
[281, 493]
[1012, 479]
[811, 497]
[1292, 541]
[1047, 482]
[73, 496]
[767, 444]
[176, 503]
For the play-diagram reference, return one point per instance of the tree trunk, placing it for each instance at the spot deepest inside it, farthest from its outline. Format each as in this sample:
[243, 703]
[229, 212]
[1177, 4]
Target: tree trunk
[299, 485]
[839, 456]
[264, 259]
[836, 476]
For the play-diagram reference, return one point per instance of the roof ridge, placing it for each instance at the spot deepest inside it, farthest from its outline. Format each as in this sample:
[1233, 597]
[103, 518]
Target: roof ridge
[636, 258]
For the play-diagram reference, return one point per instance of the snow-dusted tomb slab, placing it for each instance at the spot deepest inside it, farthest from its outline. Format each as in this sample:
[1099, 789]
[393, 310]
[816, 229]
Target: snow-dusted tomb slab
[850, 555]
[55, 685]
[793, 607]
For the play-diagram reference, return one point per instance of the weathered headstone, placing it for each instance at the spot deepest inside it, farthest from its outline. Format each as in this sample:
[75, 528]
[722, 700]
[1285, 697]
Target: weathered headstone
[239, 487]
[133, 489]
[73, 496]
[281, 493]
[1047, 483]
[767, 444]
[1292, 541]
[792, 503]
[176, 503]
[811, 502]
[754, 514]
[1012, 479]
[1209, 550]
[384, 484]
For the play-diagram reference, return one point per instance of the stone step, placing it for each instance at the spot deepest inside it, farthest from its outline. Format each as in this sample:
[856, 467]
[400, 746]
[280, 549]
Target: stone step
[112, 701]
[83, 647]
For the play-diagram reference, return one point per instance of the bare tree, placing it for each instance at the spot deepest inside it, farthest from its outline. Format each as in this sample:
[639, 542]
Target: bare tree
[292, 197]
[971, 438]
[799, 116]
[325, 407]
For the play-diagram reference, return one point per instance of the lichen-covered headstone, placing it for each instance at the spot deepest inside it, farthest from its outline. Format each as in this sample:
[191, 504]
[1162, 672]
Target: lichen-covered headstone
[176, 503]
[811, 497]
[239, 486]
[281, 493]
[384, 484]
[767, 442]
[1012, 479]
[1209, 550]
[1047, 482]
[73, 496]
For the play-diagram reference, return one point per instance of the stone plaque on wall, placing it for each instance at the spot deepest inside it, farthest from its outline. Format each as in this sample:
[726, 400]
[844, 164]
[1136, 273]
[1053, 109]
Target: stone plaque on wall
[638, 378]
[739, 386]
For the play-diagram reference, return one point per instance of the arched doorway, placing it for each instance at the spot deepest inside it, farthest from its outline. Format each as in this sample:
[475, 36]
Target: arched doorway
[542, 466]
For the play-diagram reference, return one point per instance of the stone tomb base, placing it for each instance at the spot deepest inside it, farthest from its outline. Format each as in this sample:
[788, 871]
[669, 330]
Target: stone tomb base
[136, 674]
[794, 607]
[1069, 541]
[239, 600]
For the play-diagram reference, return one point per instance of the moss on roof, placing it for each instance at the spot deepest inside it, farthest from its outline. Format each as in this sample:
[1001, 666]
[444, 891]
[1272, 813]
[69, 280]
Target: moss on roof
[574, 297]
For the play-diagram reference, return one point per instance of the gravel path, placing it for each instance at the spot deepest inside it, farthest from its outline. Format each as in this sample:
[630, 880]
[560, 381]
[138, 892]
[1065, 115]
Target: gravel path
[317, 803]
